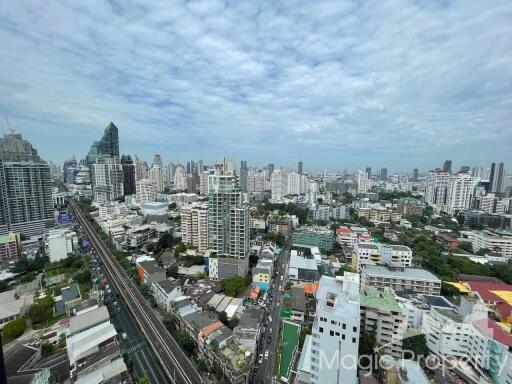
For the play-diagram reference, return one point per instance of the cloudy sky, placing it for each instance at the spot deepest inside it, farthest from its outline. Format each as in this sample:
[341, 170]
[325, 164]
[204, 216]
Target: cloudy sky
[338, 84]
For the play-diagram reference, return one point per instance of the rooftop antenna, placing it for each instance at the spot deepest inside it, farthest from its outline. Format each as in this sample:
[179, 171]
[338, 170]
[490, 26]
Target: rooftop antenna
[9, 125]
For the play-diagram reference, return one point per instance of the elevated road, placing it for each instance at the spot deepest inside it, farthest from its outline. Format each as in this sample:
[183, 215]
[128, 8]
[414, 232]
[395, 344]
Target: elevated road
[175, 363]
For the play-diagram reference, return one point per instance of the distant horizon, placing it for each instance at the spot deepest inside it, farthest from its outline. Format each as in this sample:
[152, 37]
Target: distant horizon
[394, 84]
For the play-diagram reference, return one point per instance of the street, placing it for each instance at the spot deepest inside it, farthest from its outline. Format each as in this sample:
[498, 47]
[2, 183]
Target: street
[266, 370]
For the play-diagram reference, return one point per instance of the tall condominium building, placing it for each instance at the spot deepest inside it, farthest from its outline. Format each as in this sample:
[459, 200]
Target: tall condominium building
[169, 172]
[447, 166]
[369, 171]
[362, 182]
[299, 168]
[157, 161]
[478, 172]
[436, 187]
[461, 188]
[279, 184]
[25, 188]
[194, 225]
[297, 184]
[383, 173]
[107, 175]
[243, 175]
[257, 182]
[141, 171]
[335, 333]
[228, 227]
[69, 170]
[497, 177]
[145, 191]
[203, 183]
[156, 173]
[128, 175]
[180, 178]
[415, 174]
[108, 145]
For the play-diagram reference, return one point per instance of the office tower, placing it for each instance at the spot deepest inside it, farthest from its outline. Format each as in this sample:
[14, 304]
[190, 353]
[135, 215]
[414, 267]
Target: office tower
[194, 225]
[26, 203]
[496, 178]
[461, 187]
[193, 183]
[140, 169]
[157, 161]
[447, 166]
[362, 182]
[465, 168]
[145, 191]
[279, 183]
[228, 166]
[270, 168]
[369, 172]
[156, 173]
[228, 227]
[128, 175]
[200, 167]
[107, 176]
[299, 168]
[335, 332]
[243, 175]
[69, 170]
[180, 178]
[188, 168]
[169, 174]
[436, 187]
[109, 143]
[415, 174]
[383, 173]
[478, 172]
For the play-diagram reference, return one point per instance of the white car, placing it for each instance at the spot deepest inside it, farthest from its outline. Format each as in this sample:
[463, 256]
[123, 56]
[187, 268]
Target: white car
[266, 354]
[260, 358]
[124, 336]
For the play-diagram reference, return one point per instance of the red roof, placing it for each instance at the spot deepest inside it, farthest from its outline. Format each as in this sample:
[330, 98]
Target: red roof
[493, 330]
[485, 289]
[343, 230]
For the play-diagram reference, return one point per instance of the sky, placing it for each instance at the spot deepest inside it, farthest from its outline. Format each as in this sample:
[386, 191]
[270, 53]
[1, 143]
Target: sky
[338, 84]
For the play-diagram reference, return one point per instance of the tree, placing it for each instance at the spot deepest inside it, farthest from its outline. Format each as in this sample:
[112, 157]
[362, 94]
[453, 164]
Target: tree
[223, 317]
[14, 329]
[415, 347]
[172, 271]
[233, 286]
[41, 312]
[367, 344]
[46, 349]
[170, 322]
[144, 380]
[233, 323]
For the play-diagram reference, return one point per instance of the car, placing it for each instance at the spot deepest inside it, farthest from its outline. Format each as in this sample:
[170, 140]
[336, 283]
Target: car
[124, 336]
[260, 358]
[266, 354]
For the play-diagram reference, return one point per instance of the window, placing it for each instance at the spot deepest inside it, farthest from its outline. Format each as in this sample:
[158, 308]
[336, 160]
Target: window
[343, 337]
[337, 333]
[333, 322]
[344, 326]
[355, 329]
[331, 333]
[321, 329]
[354, 340]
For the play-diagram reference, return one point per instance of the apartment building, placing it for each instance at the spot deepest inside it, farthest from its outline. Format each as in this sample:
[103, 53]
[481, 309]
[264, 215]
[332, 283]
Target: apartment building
[335, 332]
[494, 241]
[164, 291]
[400, 279]
[364, 254]
[194, 225]
[350, 236]
[145, 191]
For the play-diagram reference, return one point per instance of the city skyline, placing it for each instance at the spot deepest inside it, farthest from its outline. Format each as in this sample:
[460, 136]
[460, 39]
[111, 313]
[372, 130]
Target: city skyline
[339, 87]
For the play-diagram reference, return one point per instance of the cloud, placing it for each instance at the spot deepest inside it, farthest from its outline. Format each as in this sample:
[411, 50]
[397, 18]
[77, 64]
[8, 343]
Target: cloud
[339, 84]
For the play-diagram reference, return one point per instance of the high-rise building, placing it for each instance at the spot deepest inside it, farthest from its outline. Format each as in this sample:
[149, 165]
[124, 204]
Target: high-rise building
[362, 182]
[270, 168]
[156, 173]
[128, 175]
[228, 227]
[180, 178]
[383, 173]
[107, 176]
[415, 174]
[369, 172]
[141, 171]
[478, 172]
[447, 166]
[335, 333]
[108, 145]
[297, 184]
[157, 160]
[194, 225]
[465, 168]
[243, 175]
[69, 170]
[193, 183]
[279, 183]
[461, 188]
[26, 205]
[299, 168]
[169, 172]
[436, 187]
[145, 191]
[203, 183]
[496, 178]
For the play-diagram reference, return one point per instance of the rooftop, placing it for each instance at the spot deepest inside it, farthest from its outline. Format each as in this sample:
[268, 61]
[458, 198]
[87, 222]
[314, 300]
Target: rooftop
[385, 300]
[88, 319]
[302, 263]
[405, 273]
